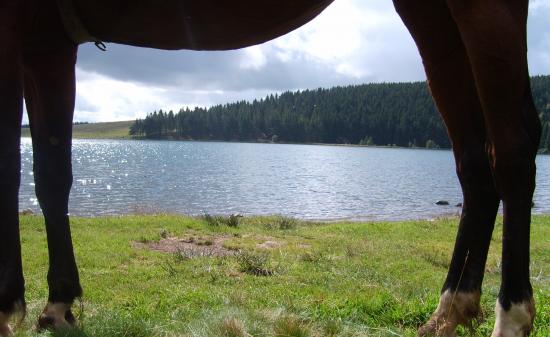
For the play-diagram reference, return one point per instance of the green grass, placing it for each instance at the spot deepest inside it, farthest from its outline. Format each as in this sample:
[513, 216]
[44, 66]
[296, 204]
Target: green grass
[108, 130]
[335, 279]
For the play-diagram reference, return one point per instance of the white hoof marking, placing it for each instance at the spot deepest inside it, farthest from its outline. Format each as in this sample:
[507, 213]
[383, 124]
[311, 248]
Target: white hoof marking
[516, 322]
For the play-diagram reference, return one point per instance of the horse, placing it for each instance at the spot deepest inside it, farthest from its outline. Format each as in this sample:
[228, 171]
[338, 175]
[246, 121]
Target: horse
[474, 55]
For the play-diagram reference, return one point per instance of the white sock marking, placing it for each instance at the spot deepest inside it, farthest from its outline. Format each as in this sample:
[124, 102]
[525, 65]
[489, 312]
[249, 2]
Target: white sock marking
[516, 322]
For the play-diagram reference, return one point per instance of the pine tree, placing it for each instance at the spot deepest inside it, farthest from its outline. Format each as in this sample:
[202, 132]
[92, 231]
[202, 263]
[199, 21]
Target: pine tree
[388, 113]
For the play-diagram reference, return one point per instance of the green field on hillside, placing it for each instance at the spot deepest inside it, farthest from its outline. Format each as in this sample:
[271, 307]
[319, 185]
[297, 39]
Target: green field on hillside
[108, 130]
[162, 275]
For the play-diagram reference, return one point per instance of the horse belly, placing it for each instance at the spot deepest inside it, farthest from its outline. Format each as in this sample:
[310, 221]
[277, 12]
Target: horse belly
[193, 24]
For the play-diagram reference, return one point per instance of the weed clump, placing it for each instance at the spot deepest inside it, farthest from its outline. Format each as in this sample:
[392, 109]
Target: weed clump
[256, 264]
[289, 326]
[314, 257]
[169, 268]
[143, 239]
[332, 328]
[218, 220]
[286, 223]
[231, 327]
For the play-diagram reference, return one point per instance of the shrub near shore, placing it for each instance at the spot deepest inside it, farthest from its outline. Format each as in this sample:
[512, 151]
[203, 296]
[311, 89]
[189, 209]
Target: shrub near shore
[162, 275]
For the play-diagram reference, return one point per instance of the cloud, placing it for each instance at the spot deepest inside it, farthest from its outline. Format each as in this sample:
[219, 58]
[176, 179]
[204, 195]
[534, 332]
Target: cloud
[351, 42]
[101, 98]
[539, 37]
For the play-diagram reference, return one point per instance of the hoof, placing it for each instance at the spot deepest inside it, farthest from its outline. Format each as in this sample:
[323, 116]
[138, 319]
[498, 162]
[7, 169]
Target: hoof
[437, 327]
[5, 329]
[453, 309]
[516, 322]
[56, 316]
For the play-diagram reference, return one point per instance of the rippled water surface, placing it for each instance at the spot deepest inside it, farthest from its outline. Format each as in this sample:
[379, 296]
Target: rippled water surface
[304, 181]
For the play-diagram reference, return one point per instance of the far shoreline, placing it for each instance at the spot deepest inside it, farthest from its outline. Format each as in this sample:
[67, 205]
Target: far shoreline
[130, 138]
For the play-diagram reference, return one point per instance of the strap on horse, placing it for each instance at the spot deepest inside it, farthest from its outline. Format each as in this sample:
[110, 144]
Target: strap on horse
[74, 26]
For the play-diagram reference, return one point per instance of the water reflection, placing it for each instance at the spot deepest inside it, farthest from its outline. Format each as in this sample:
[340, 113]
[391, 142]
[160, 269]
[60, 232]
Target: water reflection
[311, 182]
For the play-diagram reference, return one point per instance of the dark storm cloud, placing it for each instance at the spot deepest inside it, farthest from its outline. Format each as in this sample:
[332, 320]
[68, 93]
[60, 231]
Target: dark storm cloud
[206, 70]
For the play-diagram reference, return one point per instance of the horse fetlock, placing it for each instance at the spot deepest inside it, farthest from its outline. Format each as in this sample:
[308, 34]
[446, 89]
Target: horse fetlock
[517, 321]
[56, 316]
[5, 329]
[455, 308]
[437, 327]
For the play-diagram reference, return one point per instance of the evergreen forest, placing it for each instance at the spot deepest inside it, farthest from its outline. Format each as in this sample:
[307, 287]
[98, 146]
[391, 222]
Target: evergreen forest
[394, 114]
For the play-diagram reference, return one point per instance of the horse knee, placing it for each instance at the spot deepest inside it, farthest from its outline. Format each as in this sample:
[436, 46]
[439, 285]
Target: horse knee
[514, 169]
[53, 176]
[54, 162]
[531, 119]
[474, 173]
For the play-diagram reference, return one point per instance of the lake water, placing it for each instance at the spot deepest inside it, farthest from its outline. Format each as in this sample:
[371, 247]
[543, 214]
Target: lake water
[305, 181]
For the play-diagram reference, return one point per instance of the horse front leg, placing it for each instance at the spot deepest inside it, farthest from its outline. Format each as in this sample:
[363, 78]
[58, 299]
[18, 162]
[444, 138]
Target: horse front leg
[49, 66]
[494, 33]
[11, 107]
[50, 96]
[453, 88]
[49, 93]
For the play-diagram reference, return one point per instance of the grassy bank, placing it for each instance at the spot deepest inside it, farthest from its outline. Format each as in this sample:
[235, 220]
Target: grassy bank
[265, 277]
[108, 130]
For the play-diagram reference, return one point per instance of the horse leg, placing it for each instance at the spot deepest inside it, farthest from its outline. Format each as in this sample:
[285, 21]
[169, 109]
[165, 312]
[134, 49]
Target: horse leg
[453, 88]
[49, 92]
[49, 82]
[494, 34]
[11, 107]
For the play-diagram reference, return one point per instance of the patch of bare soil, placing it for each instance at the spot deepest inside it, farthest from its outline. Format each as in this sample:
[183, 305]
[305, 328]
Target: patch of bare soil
[189, 247]
[265, 242]
[269, 244]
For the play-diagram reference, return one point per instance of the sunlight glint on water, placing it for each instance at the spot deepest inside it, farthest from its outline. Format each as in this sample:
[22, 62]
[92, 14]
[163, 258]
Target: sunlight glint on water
[310, 182]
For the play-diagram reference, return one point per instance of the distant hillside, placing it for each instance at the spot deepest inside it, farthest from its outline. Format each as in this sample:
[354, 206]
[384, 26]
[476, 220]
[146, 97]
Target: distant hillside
[401, 114]
[108, 130]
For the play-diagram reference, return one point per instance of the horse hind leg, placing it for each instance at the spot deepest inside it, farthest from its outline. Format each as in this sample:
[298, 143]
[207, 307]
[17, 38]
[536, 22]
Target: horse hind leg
[453, 88]
[49, 59]
[515, 307]
[494, 33]
[11, 107]
[12, 286]
[461, 292]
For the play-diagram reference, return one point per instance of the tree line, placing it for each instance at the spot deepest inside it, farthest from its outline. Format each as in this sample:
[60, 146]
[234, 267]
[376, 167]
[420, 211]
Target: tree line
[395, 114]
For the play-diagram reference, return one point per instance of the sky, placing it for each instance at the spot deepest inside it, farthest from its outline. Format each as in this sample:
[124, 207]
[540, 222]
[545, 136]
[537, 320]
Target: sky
[351, 42]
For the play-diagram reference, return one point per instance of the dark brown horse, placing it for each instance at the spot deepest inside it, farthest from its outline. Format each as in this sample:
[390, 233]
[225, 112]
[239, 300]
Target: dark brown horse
[474, 53]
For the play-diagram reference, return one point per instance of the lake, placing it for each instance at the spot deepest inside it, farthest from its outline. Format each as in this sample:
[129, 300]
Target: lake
[316, 182]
